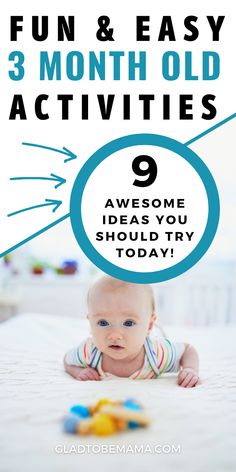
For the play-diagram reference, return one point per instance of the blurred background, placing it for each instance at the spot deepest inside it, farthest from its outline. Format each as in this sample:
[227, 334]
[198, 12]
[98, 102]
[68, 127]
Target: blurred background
[51, 275]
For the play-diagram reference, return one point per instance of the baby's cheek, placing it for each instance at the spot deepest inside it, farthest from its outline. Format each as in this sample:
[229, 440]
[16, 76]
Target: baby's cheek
[98, 337]
[138, 336]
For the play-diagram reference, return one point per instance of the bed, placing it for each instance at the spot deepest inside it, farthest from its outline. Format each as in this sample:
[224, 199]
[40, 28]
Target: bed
[193, 430]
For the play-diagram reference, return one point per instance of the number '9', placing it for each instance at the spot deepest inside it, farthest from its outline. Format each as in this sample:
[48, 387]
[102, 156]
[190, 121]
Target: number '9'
[150, 172]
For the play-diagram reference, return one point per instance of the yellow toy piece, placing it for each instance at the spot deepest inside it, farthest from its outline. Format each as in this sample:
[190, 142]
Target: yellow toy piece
[101, 402]
[103, 425]
[95, 408]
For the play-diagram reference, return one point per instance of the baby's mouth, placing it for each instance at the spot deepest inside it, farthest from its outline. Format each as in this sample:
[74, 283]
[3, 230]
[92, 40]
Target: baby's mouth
[115, 347]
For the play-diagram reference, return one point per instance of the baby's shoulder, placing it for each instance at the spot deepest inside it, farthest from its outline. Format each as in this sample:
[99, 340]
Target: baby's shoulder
[159, 343]
[86, 349]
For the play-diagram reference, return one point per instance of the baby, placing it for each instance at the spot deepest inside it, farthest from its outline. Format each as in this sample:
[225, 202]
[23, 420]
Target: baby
[121, 317]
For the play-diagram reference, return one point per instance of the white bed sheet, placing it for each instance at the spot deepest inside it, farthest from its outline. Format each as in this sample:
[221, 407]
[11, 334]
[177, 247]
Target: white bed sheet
[36, 393]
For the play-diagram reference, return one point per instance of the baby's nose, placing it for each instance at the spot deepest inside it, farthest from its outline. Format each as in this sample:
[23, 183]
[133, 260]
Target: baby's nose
[114, 335]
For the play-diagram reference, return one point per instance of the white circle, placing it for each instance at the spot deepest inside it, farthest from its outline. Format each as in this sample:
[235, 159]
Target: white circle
[144, 229]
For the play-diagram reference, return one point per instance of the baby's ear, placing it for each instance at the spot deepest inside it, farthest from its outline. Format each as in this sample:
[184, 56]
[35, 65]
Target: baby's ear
[153, 318]
[152, 321]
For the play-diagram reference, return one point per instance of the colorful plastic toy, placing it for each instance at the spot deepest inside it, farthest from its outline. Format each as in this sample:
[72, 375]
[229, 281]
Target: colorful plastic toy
[106, 417]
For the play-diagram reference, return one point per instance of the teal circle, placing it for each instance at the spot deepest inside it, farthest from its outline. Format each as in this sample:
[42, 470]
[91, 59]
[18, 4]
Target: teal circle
[76, 208]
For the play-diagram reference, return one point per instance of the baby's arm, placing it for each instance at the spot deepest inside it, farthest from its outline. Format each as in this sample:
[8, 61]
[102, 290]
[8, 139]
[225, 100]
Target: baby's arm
[189, 362]
[81, 373]
[77, 362]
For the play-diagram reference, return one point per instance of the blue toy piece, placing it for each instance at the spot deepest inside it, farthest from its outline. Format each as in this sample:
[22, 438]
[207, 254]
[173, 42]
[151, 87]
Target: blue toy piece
[80, 410]
[133, 425]
[70, 423]
[131, 404]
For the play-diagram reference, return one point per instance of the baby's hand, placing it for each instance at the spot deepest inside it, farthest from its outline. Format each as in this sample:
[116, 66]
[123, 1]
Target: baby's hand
[81, 373]
[188, 378]
[88, 373]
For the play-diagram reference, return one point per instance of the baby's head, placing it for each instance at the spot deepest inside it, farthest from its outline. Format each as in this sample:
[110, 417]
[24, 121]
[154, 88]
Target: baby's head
[121, 315]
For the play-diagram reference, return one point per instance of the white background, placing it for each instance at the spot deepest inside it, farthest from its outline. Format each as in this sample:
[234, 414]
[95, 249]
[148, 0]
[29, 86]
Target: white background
[85, 137]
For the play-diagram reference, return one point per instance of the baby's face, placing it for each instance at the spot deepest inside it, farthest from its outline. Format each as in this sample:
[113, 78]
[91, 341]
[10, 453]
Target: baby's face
[120, 320]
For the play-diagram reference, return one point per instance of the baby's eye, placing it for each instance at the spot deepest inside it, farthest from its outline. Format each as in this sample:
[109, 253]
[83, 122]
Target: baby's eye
[103, 323]
[129, 323]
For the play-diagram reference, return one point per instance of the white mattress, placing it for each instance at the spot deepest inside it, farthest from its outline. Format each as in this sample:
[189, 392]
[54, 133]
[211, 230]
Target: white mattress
[36, 393]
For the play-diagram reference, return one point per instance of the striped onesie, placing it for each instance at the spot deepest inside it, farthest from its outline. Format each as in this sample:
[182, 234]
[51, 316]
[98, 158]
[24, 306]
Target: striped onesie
[161, 355]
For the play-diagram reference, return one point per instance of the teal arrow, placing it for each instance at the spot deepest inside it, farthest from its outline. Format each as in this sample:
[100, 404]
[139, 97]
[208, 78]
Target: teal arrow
[70, 155]
[50, 202]
[53, 178]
